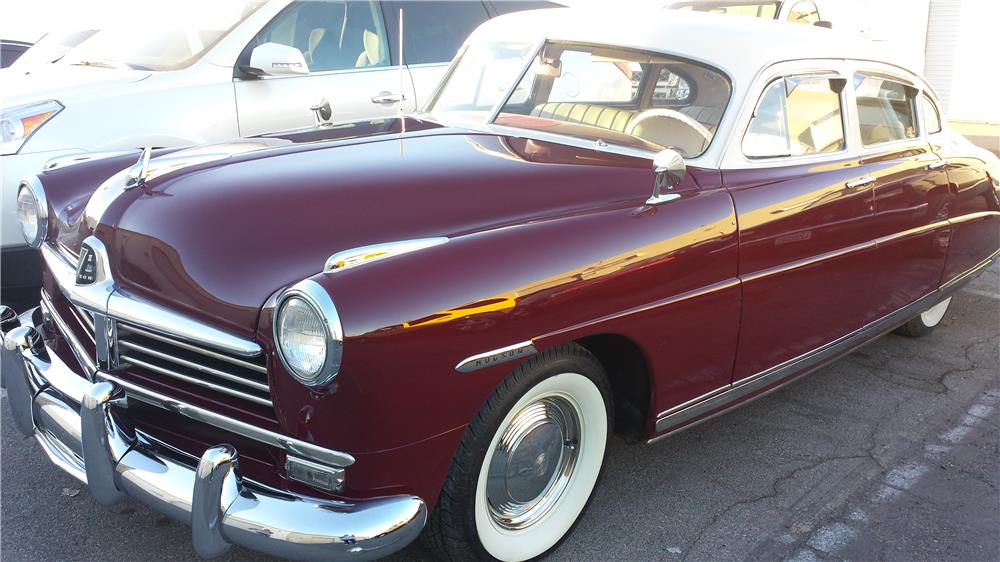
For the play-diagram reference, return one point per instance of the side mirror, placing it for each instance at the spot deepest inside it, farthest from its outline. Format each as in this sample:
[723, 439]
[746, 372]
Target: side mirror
[670, 170]
[275, 59]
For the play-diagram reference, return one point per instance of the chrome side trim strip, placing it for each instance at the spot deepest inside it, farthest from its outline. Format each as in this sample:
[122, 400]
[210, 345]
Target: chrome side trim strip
[808, 261]
[196, 366]
[496, 356]
[289, 444]
[725, 399]
[911, 232]
[207, 352]
[131, 360]
[974, 216]
[959, 279]
[355, 257]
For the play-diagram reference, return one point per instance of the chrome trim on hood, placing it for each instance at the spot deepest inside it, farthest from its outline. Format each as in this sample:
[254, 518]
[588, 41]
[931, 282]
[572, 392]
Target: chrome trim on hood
[104, 297]
[366, 254]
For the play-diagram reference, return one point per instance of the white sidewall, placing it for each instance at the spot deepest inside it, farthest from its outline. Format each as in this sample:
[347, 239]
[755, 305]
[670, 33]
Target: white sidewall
[528, 543]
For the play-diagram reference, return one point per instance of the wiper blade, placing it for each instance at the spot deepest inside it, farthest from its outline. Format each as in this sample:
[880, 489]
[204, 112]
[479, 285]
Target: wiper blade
[102, 63]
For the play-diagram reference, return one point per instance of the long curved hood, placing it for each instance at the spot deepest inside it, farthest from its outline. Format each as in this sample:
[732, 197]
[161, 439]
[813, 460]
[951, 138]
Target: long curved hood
[217, 240]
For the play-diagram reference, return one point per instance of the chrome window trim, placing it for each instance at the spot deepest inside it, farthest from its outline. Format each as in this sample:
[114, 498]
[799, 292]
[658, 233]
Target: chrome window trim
[732, 157]
[363, 255]
[918, 121]
[313, 294]
[32, 184]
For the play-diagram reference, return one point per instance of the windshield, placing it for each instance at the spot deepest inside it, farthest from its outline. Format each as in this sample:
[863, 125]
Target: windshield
[635, 99]
[481, 76]
[53, 46]
[184, 30]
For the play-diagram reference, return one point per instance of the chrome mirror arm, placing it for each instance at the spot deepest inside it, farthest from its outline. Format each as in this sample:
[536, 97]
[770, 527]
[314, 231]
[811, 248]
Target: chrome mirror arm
[669, 171]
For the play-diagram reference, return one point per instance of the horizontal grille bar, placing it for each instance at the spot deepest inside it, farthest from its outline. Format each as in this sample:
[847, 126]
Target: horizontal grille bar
[192, 365]
[183, 345]
[131, 360]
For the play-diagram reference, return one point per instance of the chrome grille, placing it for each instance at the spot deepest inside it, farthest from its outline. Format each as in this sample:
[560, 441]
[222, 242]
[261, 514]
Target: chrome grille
[220, 372]
[243, 378]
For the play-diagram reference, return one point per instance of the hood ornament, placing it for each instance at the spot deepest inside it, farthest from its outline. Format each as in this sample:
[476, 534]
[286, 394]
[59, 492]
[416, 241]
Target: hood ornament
[136, 175]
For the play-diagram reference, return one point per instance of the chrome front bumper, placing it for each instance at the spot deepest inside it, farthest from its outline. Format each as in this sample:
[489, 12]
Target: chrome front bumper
[84, 429]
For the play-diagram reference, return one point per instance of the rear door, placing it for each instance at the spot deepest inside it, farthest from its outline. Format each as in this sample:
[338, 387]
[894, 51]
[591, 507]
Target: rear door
[912, 202]
[805, 214]
[346, 45]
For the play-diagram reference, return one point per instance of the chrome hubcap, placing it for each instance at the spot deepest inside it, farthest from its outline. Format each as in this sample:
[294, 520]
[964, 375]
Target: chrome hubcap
[533, 462]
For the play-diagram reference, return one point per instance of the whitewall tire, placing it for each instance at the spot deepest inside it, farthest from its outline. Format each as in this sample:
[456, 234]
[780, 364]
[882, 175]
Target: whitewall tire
[926, 321]
[528, 463]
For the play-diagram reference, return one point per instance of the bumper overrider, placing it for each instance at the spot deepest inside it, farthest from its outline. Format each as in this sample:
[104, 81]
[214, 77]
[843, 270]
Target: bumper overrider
[84, 428]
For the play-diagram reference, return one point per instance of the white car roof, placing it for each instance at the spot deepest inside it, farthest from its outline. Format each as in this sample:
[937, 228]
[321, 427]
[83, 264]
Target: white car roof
[740, 46]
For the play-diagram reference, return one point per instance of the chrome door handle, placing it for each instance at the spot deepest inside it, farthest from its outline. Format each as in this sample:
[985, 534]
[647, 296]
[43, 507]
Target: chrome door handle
[388, 97]
[937, 165]
[863, 181]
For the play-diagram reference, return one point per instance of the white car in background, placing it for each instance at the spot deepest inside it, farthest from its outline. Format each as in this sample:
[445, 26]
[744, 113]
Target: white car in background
[795, 11]
[217, 70]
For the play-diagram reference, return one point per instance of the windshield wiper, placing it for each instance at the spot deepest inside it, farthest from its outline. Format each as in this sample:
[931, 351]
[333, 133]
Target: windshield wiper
[101, 63]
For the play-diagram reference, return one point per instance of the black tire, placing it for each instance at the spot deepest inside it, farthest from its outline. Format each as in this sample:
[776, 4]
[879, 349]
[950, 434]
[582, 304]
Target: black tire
[451, 532]
[925, 322]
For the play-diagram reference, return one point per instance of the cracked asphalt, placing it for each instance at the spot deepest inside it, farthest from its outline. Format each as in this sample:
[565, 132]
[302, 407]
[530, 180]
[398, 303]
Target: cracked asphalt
[891, 453]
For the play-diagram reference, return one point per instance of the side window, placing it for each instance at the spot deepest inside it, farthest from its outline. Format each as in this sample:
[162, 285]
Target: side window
[332, 35]
[886, 110]
[671, 89]
[433, 31]
[932, 117]
[797, 116]
[804, 12]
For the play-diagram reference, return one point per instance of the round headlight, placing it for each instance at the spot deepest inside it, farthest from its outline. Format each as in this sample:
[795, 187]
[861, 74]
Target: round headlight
[308, 334]
[31, 214]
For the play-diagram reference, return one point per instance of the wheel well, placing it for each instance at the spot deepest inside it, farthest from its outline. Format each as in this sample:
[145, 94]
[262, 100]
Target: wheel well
[628, 374]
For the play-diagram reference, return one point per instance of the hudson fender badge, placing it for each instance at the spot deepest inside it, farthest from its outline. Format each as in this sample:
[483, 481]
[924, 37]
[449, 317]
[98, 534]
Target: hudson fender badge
[86, 271]
[496, 356]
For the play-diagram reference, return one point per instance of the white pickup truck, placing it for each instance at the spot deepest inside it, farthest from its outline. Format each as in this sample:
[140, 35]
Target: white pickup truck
[171, 75]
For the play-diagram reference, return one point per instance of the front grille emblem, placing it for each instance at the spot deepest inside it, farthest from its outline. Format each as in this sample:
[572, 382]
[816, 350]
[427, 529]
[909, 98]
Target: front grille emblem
[86, 271]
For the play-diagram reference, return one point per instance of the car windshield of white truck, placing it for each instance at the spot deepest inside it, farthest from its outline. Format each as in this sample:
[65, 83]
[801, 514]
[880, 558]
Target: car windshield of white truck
[640, 100]
[167, 36]
[479, 78]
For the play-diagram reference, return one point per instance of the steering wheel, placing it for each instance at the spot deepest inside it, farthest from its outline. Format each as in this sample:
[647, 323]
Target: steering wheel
[664, 113]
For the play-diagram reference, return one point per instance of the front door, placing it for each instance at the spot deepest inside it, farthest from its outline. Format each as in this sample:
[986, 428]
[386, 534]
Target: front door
[345, 45]
[804, 213]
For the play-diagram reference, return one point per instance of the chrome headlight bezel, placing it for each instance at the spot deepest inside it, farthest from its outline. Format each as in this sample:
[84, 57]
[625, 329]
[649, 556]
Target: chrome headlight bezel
[316, 297]
[32, 186]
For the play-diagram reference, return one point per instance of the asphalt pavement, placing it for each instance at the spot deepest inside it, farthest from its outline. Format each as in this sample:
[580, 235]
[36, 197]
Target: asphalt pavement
[892, 453]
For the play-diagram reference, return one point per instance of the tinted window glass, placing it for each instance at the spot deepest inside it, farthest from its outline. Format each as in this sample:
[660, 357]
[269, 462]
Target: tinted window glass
[331, 35]
[796, 116]
[433, 31]
[932, 118]
[804, 12]
[886, 110]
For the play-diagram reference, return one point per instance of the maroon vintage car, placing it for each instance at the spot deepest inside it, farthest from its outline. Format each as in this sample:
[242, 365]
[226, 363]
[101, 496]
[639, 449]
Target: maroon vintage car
[324, 343]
